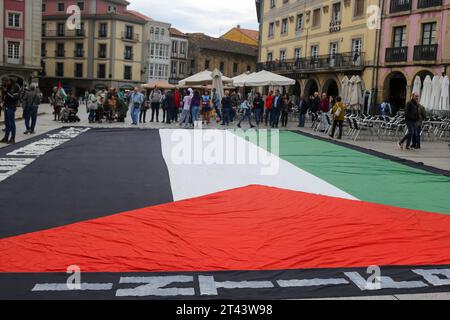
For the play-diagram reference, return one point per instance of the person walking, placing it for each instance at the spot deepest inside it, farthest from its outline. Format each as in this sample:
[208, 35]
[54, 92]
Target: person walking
[11, 102]
[144, 108]
[30, 105]
[338, 112]
[422, 117]
[269, 102]
[277, 105]
[247, 114]
[177, 103]
[226, 109]
[258, 108]
[302, 110]
[92, 106]
[411, 117]
[170, 107]
[155, 99]
[136, 101]
[206, 108]
[195, 106]
[315, 107]
[285, 110]
[186, 113]
[58, 103]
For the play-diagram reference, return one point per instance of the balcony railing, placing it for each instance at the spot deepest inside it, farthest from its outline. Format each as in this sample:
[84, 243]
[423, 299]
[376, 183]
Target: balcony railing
[60, 53]
[397, 54]
[66, 33]
[422, 4]
[339, 61]
[425, 52]
[335, 26]
[400, 5]
[12, 61]
[128, 56]
[130, 36]
[78, 53]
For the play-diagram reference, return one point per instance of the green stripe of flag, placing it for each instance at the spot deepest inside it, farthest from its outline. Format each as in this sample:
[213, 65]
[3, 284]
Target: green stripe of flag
[367, 177]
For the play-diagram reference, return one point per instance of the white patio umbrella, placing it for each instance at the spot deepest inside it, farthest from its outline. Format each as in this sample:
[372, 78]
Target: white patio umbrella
[435, 93]
[444, 99]
[202, 78]
[417, 88]
[356, 98]
[266, 78]
[345, 90]
[425, 100]
[239, 81]
[217, 83]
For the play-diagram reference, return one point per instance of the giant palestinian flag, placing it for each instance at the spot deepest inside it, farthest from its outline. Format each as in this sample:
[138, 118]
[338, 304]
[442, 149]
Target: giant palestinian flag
[212, 214]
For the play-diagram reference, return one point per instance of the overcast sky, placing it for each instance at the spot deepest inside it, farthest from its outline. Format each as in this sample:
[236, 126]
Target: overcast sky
[213, 17]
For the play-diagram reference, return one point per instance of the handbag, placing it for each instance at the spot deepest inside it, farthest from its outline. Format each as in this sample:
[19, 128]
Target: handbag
[338, 112]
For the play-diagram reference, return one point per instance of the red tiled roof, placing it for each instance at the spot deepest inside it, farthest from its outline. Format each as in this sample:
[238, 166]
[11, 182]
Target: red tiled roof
[176, 32]
[139, 15]
[250, 33]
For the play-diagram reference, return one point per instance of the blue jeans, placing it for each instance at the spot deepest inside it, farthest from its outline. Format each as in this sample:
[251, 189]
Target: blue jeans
[247, 115]
[267, 118]
[10, 122]
[195, 113]
[302, 119]
[226, 114]
[135, 115]
[412, 131]
[274, 118]
[30, 114]
[257, 116]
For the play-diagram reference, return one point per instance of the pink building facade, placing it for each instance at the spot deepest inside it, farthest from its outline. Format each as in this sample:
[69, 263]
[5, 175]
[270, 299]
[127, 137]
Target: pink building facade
[20, 23]
[55, 7]
[414, 42]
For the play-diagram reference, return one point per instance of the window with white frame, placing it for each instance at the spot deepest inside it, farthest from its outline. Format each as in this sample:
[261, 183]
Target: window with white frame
[299, 24]
[282, 55]
[13, 50]
[297, 53]
[284, 26]
[14, 20]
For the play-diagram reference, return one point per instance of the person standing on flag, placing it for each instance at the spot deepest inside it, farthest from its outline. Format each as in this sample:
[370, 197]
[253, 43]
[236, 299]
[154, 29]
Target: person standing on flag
[136, 101]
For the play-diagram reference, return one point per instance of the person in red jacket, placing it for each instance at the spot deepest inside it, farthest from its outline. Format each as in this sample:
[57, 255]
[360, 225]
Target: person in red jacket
[324, 103]
[176, 103]
[269, 102]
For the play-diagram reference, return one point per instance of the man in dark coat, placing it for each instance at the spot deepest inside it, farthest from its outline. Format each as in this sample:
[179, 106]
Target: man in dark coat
[12, 97]
[411, 117]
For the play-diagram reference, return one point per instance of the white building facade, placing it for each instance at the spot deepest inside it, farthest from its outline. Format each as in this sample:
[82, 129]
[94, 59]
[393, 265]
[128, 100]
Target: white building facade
[159, 51]
[179, 56]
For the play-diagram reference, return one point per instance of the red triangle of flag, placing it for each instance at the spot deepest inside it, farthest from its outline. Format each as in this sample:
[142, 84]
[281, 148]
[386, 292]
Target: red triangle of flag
[252, 228]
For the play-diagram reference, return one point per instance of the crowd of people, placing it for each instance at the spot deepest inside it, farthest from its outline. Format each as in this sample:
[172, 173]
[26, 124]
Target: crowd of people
[12, 97]
[189, 108]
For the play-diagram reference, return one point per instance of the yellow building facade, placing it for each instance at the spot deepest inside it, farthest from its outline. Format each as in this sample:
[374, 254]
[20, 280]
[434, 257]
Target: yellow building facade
[319, 42]
[108, 51]
[241, 35]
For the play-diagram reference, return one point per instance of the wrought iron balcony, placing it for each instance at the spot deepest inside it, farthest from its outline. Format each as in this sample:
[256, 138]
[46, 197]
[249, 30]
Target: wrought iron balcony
[336, 62]
[77, 33]
[78, 53]
[399, 54]
[425, 52]
[128, 36]
[60, 53]
[128, 56]
[400, 5]
[423, 4]
[335, 26]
